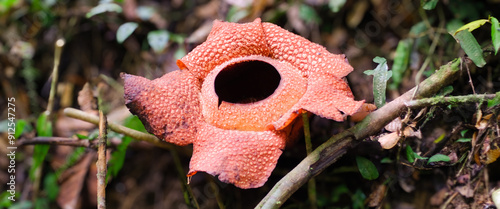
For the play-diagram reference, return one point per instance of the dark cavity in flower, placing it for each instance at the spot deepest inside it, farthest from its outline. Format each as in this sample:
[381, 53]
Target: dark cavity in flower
[246, 82]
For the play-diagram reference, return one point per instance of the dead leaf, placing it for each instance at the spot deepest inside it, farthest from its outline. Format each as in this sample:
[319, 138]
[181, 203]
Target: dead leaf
[465, 190]
[394, 125]
[72, 182]
[388, 141]
[86, 99]
[377, 196]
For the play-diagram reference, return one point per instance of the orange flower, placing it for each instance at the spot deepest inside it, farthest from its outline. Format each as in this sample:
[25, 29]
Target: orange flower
[237, 96]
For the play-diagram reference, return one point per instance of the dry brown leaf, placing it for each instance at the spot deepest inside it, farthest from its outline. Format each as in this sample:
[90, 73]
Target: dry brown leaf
[86, 99]
[377, 196]
[388, 141]
[72, 182]
[465, 190]
[394, 125]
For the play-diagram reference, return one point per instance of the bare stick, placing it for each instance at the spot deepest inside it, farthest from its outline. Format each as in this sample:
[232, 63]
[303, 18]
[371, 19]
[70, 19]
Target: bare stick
[55, 141]
[74, 113]
[335, 147]
[55, 73]
[101, 162]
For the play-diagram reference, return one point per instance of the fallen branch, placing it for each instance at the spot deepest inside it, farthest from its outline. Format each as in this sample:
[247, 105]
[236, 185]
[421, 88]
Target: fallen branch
[337, 146]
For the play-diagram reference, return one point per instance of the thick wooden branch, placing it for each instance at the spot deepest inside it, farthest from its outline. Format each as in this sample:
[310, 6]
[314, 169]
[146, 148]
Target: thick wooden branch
[335, 147]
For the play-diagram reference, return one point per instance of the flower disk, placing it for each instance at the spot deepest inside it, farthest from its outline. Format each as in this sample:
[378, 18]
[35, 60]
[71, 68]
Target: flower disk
[238, 95]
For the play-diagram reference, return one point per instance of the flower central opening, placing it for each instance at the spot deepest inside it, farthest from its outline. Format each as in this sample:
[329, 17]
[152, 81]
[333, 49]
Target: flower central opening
[246, 82]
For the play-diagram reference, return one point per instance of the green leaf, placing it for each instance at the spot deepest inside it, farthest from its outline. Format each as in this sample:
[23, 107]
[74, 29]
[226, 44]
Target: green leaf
[411, 155]
[20, 124]
[386, 160]
[308, 14]
[495, 101]
[158, 40]
[366, 168]
[336, 5]
[401, 60]
[381, 75]
[464, 140]
[81, 136]
[145, 12]
[471, 26]
[439, 158]
[125, 30]
[440, 138]
[43, 128]
[135, 123]
[105, 7]
[429, 4]
[117, 159]
[418, 29]
[495, 34]
[50, 186]
[471, 47]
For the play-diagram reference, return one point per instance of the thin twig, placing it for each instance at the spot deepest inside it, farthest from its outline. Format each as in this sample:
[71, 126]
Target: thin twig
[50, 105]
[55, 72]
[101, 162]
[78, 114]
[55, 141]
[311, 184]
[441, 100]
[335, 147]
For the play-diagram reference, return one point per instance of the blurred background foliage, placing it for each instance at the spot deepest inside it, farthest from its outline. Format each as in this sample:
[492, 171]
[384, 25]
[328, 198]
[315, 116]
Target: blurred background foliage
[145, 37]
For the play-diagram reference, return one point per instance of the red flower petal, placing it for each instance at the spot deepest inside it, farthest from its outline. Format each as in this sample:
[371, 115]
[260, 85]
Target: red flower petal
[226, 41]
[304, 54]
[243, 158]
[327, 95]
[167, 106]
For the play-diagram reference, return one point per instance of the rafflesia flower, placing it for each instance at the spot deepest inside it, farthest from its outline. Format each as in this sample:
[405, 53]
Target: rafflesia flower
[237, 96]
